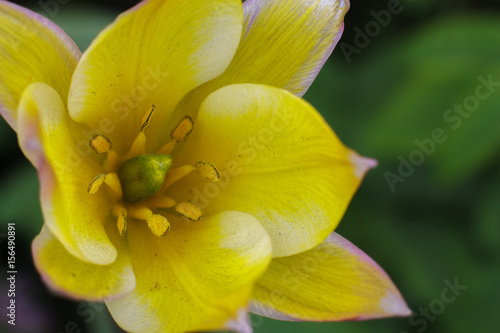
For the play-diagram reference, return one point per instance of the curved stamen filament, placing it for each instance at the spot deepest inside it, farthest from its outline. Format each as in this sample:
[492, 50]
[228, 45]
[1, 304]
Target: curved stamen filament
[113, 182]
[161, 202]
[138, 147]
[112, 160]
[177, 174]
[167, 148]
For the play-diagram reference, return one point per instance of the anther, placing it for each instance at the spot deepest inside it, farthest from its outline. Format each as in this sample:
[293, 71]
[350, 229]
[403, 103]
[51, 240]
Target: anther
[147, 117]
[182, 130]
[121, 223]
[158, 225]
[208, 170]
[189, 211]
[96, 184]
[100, 144]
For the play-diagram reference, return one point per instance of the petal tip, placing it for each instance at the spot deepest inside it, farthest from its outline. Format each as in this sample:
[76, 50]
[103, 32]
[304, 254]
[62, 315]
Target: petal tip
[240, 323]
[394, 305]
[362, 164]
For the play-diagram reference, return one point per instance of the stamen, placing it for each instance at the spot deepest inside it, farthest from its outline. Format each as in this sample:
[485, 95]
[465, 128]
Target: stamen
[208, 170]
[96, 183]
[140, 212]
[176, 174]
[100, 144]
[113, 161]
[113, 182]
[147, 117]
[182, 130]
[158, 225]
[167, 148]
[138, 147]
[161, 202]
[188, 210]
[121, 223]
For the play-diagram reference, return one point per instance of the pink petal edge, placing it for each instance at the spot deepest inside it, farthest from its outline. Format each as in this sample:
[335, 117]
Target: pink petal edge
[362, 164]
[256, 5]
[241, 322]
[392, 304]
[65, 39]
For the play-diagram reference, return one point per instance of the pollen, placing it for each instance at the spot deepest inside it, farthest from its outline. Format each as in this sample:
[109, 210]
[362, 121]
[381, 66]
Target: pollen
[147, 118]
[121, 224]
[182, 130]
[96, 184]
[100, 144]
[158, 224]
[208, 170]
[189, 211]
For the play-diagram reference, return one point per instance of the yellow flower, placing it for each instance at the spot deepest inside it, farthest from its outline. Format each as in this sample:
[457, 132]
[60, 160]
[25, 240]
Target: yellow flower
[183, 180]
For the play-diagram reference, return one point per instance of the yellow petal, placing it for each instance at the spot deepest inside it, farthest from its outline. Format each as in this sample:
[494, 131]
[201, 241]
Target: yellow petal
[32, 49]
[278, 161]
[152, 54]
[75, 217]
[284, 44]
[68, 276]
[196, 278]
[334, 281]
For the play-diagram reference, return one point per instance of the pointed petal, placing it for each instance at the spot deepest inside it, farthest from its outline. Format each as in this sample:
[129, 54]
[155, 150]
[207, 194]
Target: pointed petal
[292, 40]
[285, 44]
[32, 49]
[153, 54]
[241, 323]
[332, 282]
[75, 217]
[71, 277]
[197, 277]
[279, 161]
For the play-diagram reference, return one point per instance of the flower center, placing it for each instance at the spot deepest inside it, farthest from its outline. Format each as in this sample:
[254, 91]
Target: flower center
[137, 181]
[143, 176]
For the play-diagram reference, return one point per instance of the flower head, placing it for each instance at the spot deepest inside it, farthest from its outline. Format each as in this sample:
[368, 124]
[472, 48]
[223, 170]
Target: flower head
[183, 180]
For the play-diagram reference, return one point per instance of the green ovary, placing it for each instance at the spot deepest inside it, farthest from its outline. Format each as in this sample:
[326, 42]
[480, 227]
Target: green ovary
[143, 176]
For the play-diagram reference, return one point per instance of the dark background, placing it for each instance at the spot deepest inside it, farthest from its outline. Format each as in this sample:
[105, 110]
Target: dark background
[439, 222]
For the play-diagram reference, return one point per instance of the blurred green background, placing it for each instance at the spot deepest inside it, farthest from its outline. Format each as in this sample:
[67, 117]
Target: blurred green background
[429, 213]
